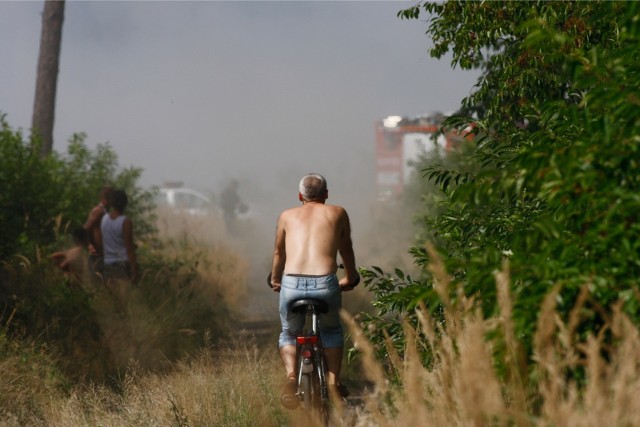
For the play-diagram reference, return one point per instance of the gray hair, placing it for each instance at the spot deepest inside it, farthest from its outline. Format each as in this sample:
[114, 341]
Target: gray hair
[313, 186]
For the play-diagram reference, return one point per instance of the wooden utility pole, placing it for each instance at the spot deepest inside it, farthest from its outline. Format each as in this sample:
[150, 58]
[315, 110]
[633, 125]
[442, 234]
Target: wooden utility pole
[47, 74]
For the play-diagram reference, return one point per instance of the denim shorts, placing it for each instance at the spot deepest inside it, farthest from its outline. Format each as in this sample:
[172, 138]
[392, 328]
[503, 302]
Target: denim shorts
[324, 288]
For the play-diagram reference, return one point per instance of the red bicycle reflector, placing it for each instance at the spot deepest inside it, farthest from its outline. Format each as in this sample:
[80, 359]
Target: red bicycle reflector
[307, 340]
[306, 353]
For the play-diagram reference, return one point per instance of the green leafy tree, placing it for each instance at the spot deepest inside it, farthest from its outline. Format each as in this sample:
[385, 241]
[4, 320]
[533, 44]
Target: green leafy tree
[556, 190]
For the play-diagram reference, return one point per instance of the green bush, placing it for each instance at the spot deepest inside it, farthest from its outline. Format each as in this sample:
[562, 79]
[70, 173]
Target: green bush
[91, 332]
[39, 194]
[557, 149]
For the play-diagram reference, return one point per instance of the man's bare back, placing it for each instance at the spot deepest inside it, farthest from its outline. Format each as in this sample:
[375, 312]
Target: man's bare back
[308, 240]
[312, 234]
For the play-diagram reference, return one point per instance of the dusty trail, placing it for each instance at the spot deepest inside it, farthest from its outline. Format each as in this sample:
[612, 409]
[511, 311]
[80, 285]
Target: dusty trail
[259, 314]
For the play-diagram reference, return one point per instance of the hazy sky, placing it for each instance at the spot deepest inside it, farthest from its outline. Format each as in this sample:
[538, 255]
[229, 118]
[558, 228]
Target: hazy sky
[202, 92]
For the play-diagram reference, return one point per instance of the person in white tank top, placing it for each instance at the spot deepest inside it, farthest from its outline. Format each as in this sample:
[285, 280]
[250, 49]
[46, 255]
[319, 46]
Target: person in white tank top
[120, 261]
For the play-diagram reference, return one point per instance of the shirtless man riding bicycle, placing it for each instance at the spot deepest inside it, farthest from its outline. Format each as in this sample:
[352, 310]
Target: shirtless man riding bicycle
[308, 239]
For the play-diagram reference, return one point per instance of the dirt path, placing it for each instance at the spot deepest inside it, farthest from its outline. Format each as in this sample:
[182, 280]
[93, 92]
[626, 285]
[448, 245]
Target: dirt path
[259, 322]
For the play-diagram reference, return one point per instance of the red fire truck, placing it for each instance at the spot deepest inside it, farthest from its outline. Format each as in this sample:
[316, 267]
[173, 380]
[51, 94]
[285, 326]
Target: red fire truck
[399, 142]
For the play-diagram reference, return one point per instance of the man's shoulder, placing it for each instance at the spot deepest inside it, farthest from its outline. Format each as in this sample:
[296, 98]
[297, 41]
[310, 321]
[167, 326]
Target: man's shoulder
[95, 214]
[290, 211]
[333, 209]
[337, 209]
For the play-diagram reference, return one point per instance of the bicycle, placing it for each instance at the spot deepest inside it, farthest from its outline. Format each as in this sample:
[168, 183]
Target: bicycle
[311, 365]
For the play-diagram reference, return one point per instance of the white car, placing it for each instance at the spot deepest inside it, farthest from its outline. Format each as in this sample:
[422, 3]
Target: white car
[185, 200]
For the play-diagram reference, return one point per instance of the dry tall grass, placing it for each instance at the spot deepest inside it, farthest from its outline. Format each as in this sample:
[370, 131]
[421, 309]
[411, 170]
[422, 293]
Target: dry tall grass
[189, 285]
[28, 381]
[230, 388]
[239, 384]
[192, 283]
[464, 389]
[197, 288]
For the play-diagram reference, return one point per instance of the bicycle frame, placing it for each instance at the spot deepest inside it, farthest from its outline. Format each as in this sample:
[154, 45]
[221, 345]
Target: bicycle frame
[311, 364]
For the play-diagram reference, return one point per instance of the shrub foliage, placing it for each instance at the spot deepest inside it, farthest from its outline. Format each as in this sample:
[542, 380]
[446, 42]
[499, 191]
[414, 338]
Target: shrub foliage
[89, 331]
[40, 194]
[554, 188]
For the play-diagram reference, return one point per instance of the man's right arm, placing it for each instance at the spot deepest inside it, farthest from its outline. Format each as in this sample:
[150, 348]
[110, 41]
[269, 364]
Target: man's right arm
[93, 218]
[93, 227]
[279, 255]
[345, 248]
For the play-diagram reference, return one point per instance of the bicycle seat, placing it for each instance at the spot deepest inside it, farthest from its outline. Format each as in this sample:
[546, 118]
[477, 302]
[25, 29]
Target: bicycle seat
[299, 306]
